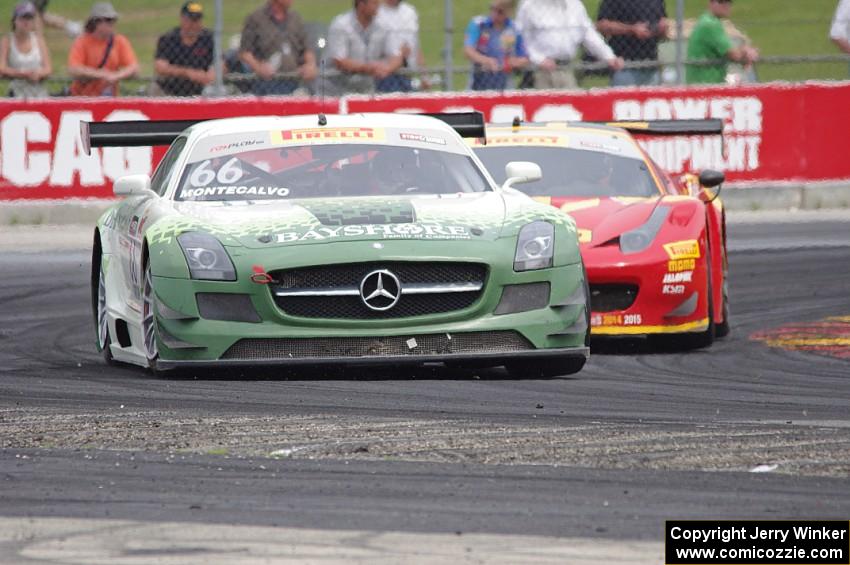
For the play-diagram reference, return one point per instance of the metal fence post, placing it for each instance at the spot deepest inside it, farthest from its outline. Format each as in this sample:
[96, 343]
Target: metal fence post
[218, 37]
[448, 56]
[680, 42]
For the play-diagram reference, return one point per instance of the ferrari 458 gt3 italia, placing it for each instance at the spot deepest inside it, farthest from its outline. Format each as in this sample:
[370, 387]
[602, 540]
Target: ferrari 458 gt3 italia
[654, 247]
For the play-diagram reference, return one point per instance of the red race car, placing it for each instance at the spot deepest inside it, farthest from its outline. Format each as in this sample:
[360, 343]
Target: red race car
[654, 246]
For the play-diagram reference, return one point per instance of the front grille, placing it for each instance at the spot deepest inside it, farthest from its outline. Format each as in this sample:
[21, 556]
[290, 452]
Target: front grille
[427, 344]
[612, 297]
[349, 276]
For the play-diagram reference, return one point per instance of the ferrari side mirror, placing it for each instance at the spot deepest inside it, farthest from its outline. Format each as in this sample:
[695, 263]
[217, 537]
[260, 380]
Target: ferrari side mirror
[711, 182]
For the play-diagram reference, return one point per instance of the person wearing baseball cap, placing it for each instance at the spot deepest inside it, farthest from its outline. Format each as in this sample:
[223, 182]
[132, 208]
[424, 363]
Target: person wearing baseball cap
[184, 55]
[24, 57]
[100, 58]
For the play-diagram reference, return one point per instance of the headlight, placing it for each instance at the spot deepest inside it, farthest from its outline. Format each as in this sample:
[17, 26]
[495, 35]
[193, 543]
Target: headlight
[535, 247]
[639, 239]
[206, 257]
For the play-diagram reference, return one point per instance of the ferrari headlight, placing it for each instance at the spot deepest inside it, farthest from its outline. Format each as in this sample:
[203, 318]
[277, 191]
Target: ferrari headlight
[640, 238]
[206, 257]
[535, 247]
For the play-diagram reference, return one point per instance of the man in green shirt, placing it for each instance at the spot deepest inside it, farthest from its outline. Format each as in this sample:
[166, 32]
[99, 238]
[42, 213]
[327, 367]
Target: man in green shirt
[709, 41]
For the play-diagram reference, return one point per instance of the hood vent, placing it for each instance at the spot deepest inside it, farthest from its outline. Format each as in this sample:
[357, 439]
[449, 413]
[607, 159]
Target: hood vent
[352, 214]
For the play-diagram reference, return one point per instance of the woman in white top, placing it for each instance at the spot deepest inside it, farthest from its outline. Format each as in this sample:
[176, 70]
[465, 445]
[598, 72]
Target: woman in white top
[23, 55]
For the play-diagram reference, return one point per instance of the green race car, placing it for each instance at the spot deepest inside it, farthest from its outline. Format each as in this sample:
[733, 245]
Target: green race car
[351, 239]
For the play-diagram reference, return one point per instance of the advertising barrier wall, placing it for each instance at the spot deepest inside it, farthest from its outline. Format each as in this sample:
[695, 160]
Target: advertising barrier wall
[774, 133]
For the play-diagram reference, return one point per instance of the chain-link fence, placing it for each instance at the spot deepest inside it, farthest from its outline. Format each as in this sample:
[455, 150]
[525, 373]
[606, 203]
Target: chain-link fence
[340, 46]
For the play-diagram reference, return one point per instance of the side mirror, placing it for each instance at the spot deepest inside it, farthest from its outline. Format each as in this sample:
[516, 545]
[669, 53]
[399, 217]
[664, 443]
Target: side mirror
[518, 172]
[132, 184]
[711, 182]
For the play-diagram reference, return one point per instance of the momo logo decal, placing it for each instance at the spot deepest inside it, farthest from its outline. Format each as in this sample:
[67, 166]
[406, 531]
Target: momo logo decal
[327, 134]
[679, 265]
[380, 290]
[688, 249]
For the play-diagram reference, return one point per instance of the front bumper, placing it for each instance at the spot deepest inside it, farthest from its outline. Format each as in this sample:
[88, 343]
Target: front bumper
[493, 359]
[186, 339]
[671, 294]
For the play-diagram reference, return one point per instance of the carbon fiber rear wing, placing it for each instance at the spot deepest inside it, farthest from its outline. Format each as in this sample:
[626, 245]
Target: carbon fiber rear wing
[132, 134]
[163, 132]
[669, 127]
[467, 124]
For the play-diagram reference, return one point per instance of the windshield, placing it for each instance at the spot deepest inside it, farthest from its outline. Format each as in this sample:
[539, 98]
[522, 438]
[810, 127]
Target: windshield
[320, 171]
[573, 172]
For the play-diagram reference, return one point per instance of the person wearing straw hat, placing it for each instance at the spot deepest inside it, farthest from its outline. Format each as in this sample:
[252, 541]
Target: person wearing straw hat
[100, 58]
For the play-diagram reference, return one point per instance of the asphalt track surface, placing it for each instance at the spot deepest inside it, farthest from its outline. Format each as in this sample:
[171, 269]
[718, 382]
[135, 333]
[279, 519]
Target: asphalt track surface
[443, 460]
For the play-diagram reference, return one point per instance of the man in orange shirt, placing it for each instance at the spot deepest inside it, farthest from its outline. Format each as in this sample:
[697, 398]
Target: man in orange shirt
[100, 58]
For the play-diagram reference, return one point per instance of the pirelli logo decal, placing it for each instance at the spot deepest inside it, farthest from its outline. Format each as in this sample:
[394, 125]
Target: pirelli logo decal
[327, 134]
[688, 249]
[544, 140]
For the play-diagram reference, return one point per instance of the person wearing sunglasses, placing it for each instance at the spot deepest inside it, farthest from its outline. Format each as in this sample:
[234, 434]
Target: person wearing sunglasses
[184, 55]
[495, 47]
[100, 58]
[24, 56]
[710, 42]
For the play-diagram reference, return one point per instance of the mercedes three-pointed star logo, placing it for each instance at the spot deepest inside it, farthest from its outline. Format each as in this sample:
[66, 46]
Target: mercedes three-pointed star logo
[380, 290]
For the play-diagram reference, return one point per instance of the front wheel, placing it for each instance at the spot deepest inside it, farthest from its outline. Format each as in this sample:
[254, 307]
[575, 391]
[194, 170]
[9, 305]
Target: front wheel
[101, 320]
[545, 369]
[149, 320]
[723, 328]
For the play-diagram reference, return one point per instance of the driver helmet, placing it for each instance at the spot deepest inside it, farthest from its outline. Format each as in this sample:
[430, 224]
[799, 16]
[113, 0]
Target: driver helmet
[395, 168]
[597, 167]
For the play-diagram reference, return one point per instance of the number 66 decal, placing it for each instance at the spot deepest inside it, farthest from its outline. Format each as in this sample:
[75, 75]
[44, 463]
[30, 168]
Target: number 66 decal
[229, 173]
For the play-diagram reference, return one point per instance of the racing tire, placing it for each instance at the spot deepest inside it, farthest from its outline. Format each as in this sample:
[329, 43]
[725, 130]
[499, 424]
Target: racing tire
[587, 306]
[545, 369]
[723, 328]
[149, 331]
[98, 293]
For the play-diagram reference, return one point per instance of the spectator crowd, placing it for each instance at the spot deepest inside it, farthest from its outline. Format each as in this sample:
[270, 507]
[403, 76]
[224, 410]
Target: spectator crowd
[375, 47]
